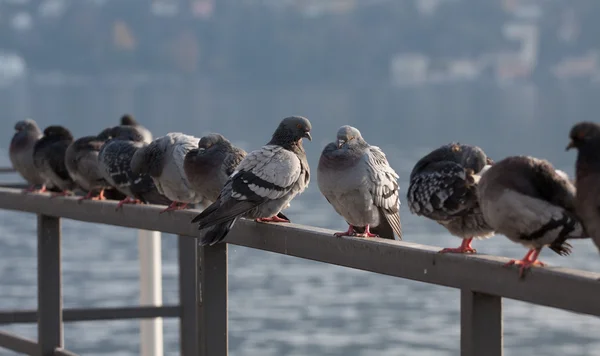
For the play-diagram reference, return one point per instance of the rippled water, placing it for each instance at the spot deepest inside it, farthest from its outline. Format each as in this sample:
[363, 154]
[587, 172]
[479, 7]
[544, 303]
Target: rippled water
[282, 305]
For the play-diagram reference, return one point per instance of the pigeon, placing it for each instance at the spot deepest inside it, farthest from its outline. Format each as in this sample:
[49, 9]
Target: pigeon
[263, 184]
[443, 187]
[81, 159]
[128, 120]
[163, 161]
[49, 159]
[525, 199]
[585, 137]
[208, 166]
[114, 159]
[357, 180]
[21, 152]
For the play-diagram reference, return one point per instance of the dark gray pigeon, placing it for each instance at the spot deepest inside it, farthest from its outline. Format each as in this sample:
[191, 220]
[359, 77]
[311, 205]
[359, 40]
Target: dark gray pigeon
[525, 199]
[585, 137]
[114, 159]
[357, 180]
[49, 159]
[163, 161]
[263, 184]
[81, 159]
[209, 166]
[443, 188]
[21, 152]
[128, 120]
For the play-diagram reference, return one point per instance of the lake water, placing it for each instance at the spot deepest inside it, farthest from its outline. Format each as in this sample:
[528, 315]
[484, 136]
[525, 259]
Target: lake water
[283, 305]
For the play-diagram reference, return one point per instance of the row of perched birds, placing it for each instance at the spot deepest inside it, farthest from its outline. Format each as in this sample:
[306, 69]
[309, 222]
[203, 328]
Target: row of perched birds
[456, 185]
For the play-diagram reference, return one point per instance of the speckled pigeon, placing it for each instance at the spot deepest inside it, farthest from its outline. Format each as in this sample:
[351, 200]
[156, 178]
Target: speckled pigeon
[443, 187]
[585, 137]
[49, 159]
[525, 199]
[163, 161]
[263, 184]
[357, 180]
[21, 152]
[115, 160]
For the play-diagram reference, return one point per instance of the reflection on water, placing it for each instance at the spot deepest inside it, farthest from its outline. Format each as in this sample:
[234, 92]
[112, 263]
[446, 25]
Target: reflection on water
[283, 305]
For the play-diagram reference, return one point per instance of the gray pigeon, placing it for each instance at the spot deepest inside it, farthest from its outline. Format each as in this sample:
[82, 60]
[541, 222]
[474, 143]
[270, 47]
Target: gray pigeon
[443, 187]
[81, 159]
[357, 180]
[128, 120]
[208, 166]
[163, 161]
[114, 159]
[585, 137]
[525, 199]
[49, 159]
[21, 152]
[263, 184]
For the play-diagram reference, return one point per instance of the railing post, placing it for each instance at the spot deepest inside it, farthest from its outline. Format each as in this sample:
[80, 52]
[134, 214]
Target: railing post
[151, 330]
[188, 281]
[212, 300]
[481, 324]
[50, 323]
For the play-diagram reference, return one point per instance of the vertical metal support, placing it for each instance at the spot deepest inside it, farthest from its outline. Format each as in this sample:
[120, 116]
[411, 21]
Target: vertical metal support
[480, 324]
[151, 330]
[50, 323]
[212, 300]
[187, 296]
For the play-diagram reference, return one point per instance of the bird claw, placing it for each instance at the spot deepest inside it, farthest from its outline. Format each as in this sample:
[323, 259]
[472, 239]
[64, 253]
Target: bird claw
[61, 194]
[365, 234]
[525, 265]
[272, 219]
[458, 250]
[127, 200]
[174, 206]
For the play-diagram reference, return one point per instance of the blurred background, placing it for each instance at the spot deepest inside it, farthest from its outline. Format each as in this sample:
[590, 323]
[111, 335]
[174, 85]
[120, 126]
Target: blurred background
[511, 76]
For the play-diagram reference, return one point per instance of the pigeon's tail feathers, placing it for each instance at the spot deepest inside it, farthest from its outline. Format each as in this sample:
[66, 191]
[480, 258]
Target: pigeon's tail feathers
[393, 220]
[222, 212]
[280, 215]
[561, 248]
[216, 233]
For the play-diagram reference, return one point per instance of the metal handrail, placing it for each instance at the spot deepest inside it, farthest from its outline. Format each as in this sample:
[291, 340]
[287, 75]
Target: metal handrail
[481, 278]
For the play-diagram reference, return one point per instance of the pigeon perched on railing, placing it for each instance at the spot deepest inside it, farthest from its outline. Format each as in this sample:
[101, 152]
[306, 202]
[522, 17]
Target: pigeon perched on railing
[209, 166]
[21, 152]
[525, 199]
[81, 159]
[128, 120]
[585, 137]
[443, 187]
[114, 159]
[263, 184]
[163, 161]
[49, 159]
[357, 180]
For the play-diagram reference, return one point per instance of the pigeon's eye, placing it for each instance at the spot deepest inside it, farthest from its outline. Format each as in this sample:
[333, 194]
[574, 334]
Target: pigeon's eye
[299, 126]
[581, 135]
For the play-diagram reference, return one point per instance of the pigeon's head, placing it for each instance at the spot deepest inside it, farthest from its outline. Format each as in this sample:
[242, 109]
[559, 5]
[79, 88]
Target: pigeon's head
[292, 129]
[26, 125]
[211, 140]
[583, 135]
[57, 131]
[126, 133]
[347, 134]
[128, 120]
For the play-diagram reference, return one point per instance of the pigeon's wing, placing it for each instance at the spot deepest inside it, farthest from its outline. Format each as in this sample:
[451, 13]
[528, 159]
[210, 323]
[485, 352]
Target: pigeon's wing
[55, 155]
[86, 161]
[266, 174]
[442, 192]
[232, 160]
[182, 146]
[384, 186]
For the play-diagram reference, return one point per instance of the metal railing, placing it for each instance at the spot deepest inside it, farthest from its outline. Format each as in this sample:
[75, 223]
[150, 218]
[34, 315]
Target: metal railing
[203, 275]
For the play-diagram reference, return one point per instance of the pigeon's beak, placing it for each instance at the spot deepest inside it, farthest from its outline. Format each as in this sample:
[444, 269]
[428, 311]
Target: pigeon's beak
[308, 136]
[340, 143]
[570, 145]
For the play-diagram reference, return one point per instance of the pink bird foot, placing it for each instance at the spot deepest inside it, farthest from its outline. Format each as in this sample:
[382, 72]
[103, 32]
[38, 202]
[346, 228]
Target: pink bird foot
[272, 219]
[465, 247]
[174, 206]
[128, 200]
